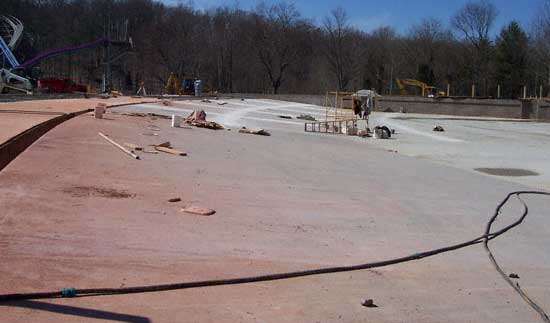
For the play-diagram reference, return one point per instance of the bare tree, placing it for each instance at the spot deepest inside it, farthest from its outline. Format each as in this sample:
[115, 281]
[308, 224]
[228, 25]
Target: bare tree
[340, 46]
[425, 48]
[381, 54]
[474, 22]
[540, 35]
[281, 40]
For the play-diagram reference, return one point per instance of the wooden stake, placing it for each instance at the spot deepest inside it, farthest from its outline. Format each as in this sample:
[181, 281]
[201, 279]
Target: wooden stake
[119, 146]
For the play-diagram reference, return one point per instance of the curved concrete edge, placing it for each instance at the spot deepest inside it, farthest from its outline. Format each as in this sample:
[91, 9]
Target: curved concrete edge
[13, 147]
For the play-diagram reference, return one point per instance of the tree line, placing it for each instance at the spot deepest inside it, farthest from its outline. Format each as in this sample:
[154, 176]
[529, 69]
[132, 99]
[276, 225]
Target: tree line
[275, 49]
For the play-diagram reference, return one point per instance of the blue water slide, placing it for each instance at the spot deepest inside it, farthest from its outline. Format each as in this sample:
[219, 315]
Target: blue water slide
[8, 54]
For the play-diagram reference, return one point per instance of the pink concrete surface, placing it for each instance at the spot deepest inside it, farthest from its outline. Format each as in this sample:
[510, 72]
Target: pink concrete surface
[77, 212]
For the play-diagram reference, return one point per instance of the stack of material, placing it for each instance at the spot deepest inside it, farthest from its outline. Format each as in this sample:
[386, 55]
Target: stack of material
[198, 119]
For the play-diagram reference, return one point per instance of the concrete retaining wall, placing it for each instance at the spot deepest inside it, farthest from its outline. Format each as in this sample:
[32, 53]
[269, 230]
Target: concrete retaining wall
[449, 106]
[540, 109]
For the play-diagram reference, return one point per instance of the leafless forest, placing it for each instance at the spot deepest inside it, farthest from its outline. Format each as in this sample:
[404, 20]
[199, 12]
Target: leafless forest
[275, 49]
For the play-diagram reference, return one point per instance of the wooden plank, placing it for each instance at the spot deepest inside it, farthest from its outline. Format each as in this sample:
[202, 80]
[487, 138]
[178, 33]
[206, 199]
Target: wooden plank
[170, 151]
[114, 143]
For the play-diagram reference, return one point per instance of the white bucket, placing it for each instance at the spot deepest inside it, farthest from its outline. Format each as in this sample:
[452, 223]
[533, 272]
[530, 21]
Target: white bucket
[176, 121]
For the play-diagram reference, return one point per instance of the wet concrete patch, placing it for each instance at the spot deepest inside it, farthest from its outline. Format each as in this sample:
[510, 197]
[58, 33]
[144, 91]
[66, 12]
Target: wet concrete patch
[511, 172]
[86, 191]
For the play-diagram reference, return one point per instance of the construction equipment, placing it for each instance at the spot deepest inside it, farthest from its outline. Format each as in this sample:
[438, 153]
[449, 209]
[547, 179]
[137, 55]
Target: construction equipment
[60, 85]
[172, 86]
[420, 88]
[16, 77]
[11, 30]
[189, 86]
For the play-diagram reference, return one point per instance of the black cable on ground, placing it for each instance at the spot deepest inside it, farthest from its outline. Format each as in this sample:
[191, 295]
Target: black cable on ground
[485, 238]
[515, 286]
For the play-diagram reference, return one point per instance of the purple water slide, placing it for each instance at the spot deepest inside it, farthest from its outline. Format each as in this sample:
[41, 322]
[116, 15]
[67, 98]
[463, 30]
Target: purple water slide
[56, 51]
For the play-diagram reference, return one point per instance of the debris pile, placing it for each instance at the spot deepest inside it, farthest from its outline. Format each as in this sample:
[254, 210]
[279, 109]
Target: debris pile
[368, 303]
[260, 132]
[306, 117]
[198, 119]
[382, 132]
[143, 115]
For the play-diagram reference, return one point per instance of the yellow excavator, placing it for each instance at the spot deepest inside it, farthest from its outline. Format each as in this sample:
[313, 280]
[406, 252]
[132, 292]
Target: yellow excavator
[174, 86]
[422, 88]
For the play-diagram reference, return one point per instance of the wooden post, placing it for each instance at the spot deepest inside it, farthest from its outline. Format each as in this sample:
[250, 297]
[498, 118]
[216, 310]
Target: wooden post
[473, 90]
[525, 92]
[326, 106]
[448, 89]
[336, 106]
[540, 92]
[423, 90]
[498, 91]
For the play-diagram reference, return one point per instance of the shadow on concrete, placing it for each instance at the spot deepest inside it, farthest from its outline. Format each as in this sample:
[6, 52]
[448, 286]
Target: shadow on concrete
[79, 311]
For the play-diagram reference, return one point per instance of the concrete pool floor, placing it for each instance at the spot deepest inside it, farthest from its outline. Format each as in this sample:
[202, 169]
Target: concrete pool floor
[473, 143]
